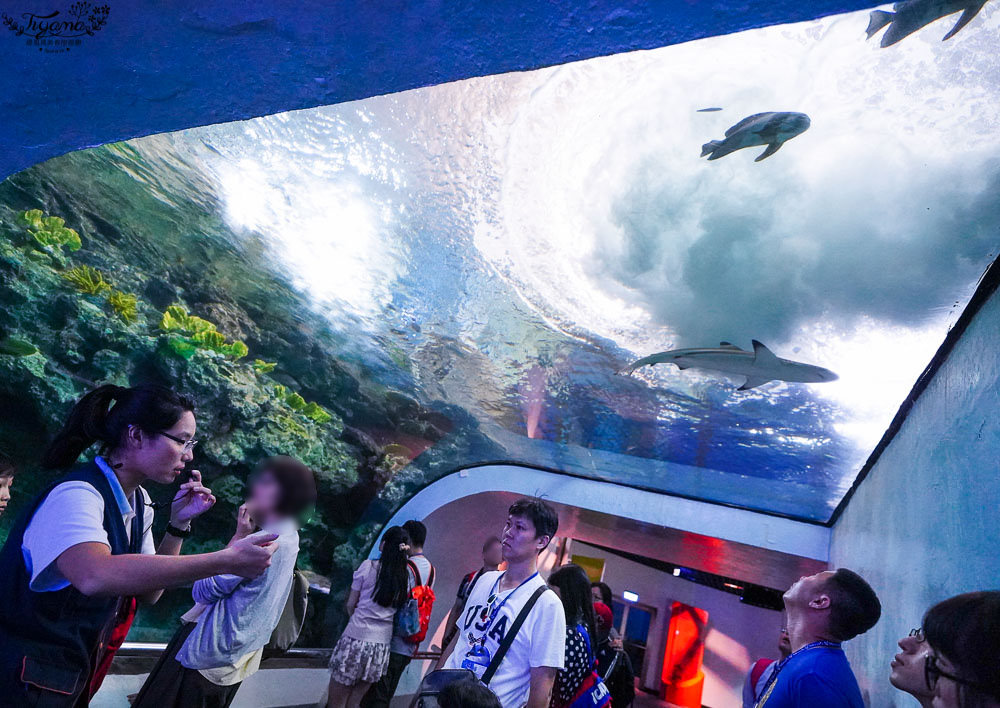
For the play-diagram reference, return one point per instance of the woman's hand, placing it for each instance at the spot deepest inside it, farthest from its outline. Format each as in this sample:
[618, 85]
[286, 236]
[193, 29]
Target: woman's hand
[192, 500]
[245, 524]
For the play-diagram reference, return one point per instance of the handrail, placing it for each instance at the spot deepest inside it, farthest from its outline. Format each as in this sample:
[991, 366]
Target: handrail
[137, 657]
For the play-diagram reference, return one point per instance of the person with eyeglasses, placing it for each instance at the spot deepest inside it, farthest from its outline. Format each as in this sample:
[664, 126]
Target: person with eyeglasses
[821, 612]
[74, 564]
[908, 667]
[963, 669]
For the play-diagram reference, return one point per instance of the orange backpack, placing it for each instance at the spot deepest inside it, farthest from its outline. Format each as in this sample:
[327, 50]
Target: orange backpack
[413, 619]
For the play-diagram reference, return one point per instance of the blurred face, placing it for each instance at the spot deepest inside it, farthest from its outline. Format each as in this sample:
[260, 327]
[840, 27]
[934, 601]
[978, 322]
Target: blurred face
[160, 457]
[784, 643]
[595, 593]
[519, 541]
[265, 494]
[493, 555]
[5, 482]
[907, 667]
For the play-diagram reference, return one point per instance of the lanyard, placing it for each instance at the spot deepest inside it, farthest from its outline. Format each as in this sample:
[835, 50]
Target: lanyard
[764, 694]
[492, 612]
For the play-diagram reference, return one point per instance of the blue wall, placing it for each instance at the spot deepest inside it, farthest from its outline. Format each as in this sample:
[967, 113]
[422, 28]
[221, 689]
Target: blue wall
[156, 67]
[924, 525]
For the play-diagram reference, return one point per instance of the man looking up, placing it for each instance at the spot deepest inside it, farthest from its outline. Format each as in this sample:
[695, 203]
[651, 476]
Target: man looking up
[822, 611]
[528, 670]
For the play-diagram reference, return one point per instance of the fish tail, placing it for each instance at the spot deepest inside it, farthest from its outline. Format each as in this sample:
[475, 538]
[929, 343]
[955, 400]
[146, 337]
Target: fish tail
[877, 20]
[710, 147]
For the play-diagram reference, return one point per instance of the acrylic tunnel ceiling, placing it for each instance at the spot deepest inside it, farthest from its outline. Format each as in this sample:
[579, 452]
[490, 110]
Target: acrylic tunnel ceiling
[490, 254]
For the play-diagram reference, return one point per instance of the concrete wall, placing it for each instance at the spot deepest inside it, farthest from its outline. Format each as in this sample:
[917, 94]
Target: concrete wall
[923, 525]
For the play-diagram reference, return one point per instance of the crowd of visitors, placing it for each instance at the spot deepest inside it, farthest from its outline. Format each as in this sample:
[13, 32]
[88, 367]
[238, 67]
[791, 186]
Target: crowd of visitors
[77, 562]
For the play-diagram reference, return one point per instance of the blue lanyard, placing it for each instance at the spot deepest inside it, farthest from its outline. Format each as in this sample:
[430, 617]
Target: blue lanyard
[781, 664]
[493, 597]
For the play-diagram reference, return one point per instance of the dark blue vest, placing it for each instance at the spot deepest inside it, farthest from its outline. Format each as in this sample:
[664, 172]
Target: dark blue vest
[49, 640]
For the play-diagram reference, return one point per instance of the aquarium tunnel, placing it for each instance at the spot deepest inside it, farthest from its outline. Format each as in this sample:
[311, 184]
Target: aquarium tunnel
[453, 254]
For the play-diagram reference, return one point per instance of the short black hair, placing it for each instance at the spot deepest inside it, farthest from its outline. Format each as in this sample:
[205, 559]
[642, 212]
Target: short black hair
[467, 694]
[416, 531]
[854, 606]
[7, 468]
[966, 630]
[542, 516]
[606, 595]
[491, 541]
[296, 481]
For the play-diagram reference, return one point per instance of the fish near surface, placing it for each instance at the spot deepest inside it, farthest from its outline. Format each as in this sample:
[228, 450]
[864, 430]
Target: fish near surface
[758, 367]
[772, 129]
[911, 15]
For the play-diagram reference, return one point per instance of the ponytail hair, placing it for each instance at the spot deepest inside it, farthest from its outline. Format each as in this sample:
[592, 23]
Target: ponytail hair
[392, 587]
[105, 414]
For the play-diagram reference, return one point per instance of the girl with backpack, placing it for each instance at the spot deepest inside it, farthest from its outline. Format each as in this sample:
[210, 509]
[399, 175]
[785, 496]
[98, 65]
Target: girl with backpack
[379, 589]
[577, 683]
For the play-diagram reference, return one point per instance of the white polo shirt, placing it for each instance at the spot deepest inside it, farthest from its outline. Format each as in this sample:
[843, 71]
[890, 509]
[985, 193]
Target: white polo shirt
[73, 513]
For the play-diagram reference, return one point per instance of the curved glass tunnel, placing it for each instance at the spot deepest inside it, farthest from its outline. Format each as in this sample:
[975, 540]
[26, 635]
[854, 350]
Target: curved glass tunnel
[414, 288]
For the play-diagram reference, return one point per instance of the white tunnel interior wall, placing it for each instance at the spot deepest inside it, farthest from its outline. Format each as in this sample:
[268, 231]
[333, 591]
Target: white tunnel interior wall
[923, 525]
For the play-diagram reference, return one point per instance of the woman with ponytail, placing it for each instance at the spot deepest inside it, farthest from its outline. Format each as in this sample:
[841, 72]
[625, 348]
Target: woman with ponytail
[74, 562]
[379, 588]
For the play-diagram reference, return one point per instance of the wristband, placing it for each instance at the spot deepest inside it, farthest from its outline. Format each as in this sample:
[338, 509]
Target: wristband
[176, 532]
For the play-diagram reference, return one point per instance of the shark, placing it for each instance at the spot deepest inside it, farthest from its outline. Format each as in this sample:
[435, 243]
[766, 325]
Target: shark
[911, 15]
[773, 129]
[758, 367]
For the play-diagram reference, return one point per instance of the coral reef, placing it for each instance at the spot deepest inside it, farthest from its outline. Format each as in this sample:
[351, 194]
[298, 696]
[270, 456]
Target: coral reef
[161, 290]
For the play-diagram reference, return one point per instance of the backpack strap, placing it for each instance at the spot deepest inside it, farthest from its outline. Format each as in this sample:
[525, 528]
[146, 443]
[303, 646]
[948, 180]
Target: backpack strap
[430, 581]
[508, 638]
[416, 573]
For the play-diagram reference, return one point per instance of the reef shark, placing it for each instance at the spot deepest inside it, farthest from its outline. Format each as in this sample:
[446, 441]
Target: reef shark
[772, 129]
[911, 15]
[758, 367]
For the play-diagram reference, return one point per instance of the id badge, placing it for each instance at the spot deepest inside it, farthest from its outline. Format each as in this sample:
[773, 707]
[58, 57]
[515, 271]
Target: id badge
[477, 659]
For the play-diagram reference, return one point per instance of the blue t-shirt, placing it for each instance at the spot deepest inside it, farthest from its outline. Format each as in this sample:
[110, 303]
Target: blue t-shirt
[819, 677]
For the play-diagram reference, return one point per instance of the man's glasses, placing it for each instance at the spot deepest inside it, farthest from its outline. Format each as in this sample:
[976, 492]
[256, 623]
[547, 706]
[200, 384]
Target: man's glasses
[188, 444]
[932, 672]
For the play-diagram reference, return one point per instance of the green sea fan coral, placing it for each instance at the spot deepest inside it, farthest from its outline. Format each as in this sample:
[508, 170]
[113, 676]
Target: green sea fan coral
[235, 350]
[87, 280]
[264, 367]
[317, 413]
[210, 339]
[125, 305]
[177, 319]
[295, 402]
[201, 334]
[50, 231]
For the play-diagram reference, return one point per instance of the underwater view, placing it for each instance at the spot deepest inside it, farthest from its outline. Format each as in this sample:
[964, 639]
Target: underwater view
[615, 269]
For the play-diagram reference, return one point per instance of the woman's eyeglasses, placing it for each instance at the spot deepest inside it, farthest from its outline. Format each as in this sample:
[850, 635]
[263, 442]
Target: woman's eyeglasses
[932, 672]
[918, 634]
[188, 444]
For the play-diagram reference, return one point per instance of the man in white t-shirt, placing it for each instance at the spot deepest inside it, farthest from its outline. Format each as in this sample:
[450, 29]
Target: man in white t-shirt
[527, 672]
